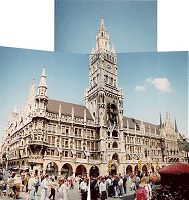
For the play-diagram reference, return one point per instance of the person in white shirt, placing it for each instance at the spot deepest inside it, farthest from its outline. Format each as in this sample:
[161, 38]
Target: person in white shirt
[62, 190]
[83, 187]
[31, 187]
[149, 191]
[102, 189]
[120, 184]
[44, 190]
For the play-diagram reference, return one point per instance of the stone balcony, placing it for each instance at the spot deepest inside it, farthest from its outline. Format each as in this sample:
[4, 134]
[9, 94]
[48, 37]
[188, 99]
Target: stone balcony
[38, 142]
[35, 159]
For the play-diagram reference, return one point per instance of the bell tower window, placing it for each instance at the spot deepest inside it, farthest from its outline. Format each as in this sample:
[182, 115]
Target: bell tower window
[115, 145]
[115, 133]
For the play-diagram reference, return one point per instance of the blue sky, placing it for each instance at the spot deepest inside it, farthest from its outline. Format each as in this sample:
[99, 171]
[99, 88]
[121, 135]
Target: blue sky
[151, 82]
[131, 25]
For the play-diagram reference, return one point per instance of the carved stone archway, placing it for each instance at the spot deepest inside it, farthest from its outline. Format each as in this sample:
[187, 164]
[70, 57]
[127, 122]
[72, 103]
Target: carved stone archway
[52, 169]
[67, 170]
[80, 170]
[129, 169]
[94, 171]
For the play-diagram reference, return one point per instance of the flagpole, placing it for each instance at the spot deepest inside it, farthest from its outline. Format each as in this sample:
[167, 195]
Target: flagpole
[89, 191]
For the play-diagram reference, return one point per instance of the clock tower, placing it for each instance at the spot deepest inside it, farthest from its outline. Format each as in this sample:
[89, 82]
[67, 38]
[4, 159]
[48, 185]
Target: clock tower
[103, 98]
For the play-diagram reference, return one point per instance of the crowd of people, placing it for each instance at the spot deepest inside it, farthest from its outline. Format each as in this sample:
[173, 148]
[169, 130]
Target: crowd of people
[103, 187]
[93, 188]
[29, 183]
[99, 187]
[116, 186]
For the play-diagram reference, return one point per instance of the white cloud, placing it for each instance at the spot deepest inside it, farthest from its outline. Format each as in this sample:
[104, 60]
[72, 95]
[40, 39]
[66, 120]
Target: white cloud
[161, 84]
[140, 88]
[149, 80]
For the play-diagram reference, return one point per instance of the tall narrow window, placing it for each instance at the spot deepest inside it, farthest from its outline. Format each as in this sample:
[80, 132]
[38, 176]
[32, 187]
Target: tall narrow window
[76, 131]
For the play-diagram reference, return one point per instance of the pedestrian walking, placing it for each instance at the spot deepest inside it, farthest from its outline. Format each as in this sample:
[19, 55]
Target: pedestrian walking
[108, 183]
[31, 188]
[53, 185]
[83, 187]
[141, 192]
[37, 184]
[11, 185]
[44, 190]
[62, 190]
[120, 184]
[26, 181]
[115, 184]
[149, 190]
[125, 184]
[71, 183]
[102, 189]
[137, 180]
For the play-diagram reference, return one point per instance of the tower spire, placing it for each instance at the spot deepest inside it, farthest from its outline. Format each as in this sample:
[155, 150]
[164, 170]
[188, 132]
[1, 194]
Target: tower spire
[102, 39]
[32, 88]
[42, 87]
[160, 121]
[113, 49]
[43, 78]
[15, 109]
[176, 129]
[102, 23]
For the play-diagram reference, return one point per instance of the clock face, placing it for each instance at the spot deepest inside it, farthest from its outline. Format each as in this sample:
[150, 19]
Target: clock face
[112, 113]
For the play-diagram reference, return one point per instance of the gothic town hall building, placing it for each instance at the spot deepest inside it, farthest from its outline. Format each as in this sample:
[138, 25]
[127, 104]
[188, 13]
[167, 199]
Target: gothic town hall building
[55, 137]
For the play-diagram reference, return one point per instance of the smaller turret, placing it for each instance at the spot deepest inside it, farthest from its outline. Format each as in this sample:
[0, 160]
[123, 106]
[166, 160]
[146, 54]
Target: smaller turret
[41, 97]
[42, 88]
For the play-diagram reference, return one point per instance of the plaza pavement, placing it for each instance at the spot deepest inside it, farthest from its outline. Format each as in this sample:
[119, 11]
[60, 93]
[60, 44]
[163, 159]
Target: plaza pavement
[75, 194]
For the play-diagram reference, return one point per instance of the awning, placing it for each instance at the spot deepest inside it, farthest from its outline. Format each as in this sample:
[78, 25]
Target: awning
[177, 168]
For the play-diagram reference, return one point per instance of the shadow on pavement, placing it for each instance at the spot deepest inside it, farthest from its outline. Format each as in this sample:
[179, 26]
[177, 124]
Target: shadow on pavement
[130, 197]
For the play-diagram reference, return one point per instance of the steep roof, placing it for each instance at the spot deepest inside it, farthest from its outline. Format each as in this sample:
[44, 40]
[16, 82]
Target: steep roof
[132, 122]
[66, 109]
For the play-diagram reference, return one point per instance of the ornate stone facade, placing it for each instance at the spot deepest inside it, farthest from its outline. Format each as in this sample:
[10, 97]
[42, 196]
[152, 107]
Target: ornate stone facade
[50, 136]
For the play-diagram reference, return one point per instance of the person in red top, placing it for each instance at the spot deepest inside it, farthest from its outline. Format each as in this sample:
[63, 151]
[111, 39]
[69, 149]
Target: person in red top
[71, 183]
[141, 192]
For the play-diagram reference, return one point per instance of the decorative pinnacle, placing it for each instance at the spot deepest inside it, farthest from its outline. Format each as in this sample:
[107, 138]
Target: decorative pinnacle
[102, 22]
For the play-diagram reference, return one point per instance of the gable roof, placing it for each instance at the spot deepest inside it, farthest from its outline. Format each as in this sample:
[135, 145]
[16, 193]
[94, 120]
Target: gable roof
[132, 122]
[66, 109]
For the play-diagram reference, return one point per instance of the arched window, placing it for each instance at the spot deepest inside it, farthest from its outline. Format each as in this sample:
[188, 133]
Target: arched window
[115, 145]
[115, 156]
[115, 133]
